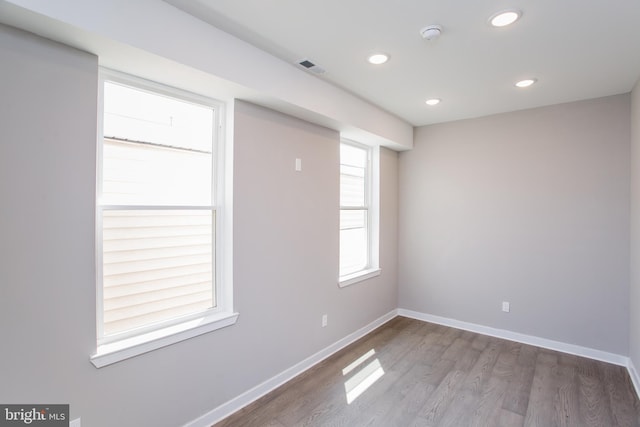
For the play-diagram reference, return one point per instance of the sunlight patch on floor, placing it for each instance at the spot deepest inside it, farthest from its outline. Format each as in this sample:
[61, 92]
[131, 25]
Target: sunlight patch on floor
[364, 378]
[359, 361]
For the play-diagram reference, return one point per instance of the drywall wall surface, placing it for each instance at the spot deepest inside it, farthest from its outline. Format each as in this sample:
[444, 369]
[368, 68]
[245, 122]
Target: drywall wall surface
[388, 228]
[634, 295]
[529, 207]
[47, 191]
[286, 240]
[285, 253]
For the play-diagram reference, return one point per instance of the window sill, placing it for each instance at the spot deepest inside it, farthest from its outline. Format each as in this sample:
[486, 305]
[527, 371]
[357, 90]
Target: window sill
[114, 352]
[359, 276]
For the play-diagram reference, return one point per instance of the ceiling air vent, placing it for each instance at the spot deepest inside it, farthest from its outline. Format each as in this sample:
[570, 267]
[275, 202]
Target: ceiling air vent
[310, 66]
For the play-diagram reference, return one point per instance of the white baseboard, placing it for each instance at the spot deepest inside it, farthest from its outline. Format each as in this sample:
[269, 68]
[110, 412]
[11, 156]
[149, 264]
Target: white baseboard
[75, 423]
[577, 350]
[260, 390]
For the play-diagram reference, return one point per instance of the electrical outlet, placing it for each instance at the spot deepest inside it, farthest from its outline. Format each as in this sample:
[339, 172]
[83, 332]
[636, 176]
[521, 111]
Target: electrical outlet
[506, 306]
[298, 165]
[324, 320]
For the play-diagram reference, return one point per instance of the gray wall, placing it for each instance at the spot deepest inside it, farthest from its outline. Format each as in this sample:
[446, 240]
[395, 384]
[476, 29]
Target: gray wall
[530, 207]
[47, 194]
[634, 299]
[285, 254]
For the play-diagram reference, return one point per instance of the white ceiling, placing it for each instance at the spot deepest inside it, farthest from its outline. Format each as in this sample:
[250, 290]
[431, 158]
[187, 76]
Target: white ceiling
[577, 49]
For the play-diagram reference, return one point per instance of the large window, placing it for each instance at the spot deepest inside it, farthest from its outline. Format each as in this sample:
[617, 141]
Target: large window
[358, 213]
[158, 215]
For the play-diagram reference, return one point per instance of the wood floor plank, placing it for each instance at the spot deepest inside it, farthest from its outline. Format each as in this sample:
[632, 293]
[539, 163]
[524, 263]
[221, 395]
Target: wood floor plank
[438, 402]
[479, 374]
[439, 371]
[567, 402]
[625, 410]
[479, 342]
[542, 396]
[489, 404]
[414, 373]
[519, 389]
[459, 412]
[449, 335]
[456, 349]
[509, 419]
[467, 360]
[479, 408]
[591, 394]
[506, 362]
[406, 404]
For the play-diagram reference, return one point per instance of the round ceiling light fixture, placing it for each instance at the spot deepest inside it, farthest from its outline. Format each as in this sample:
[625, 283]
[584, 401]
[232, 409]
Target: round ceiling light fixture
[433, 101]
[504, 18]
[431, 32]
[378, 58]
[525, 83]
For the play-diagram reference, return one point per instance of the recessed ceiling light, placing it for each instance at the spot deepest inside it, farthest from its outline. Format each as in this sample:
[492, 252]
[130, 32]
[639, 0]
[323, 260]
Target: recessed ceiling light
[378, 58]
[525, 82]
[504, 18]
[432, 101]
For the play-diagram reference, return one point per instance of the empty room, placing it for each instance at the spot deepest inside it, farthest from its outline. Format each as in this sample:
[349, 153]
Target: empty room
[295, 213]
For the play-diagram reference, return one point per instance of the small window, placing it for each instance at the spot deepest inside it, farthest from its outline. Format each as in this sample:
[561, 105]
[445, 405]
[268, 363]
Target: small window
[358, 213]
[158, 216]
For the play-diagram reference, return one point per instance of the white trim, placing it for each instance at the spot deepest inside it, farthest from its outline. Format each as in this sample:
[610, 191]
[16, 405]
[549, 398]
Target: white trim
[374, 205]
[635, 379]
[223, 196]
[260, 390]
[75, 423]
[98, 212]
[577, 350]
[358, 276]
[113, 352]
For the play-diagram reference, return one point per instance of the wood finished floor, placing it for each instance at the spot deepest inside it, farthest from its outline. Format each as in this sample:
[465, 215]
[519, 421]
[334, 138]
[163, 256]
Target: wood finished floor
[439, 376]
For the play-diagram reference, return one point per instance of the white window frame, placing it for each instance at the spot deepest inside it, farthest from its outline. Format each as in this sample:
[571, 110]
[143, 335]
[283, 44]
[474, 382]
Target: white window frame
[372, 202]
[143, 340]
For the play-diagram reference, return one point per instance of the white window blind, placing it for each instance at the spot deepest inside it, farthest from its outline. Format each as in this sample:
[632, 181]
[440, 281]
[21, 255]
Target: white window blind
[354, 209]
[156, 211]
